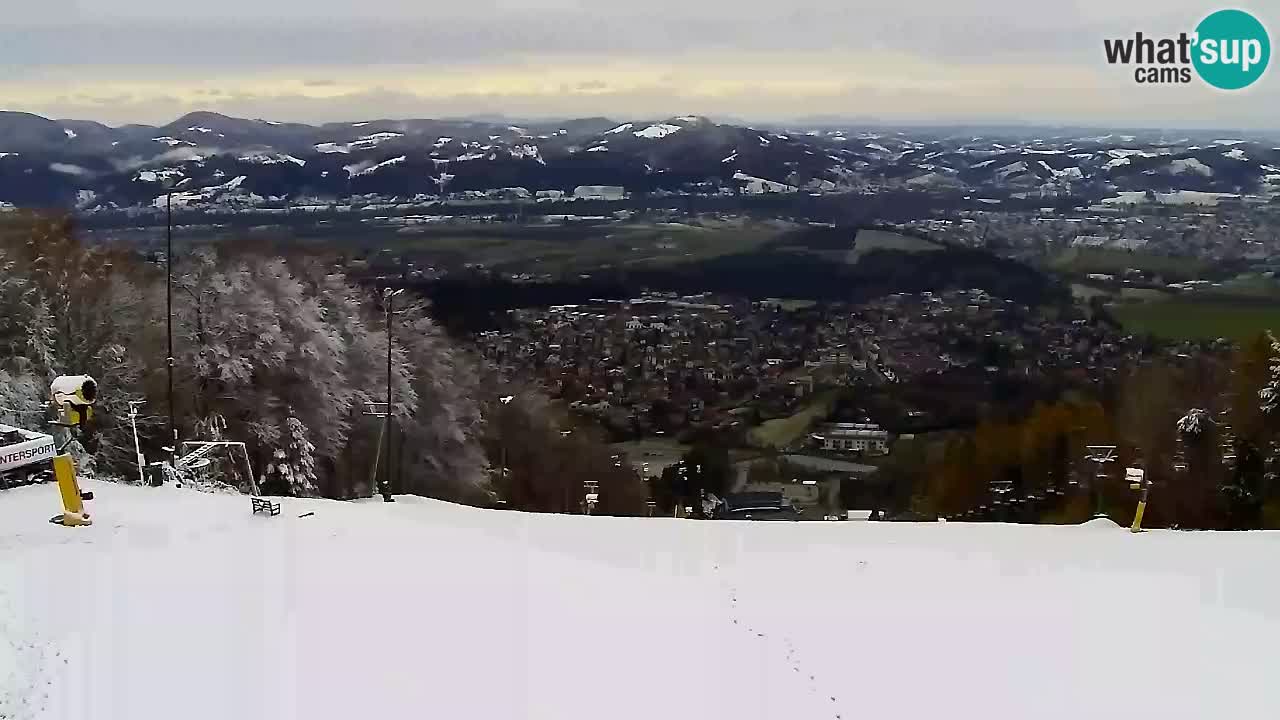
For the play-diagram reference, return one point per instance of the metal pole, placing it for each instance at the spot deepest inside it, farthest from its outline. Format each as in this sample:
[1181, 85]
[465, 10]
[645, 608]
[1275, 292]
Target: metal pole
[137, 447]
[173, 428]
[502, 446]
[377, 453]
[386, 488]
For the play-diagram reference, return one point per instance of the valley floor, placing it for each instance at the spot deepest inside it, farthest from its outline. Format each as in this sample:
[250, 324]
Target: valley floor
[180, 604]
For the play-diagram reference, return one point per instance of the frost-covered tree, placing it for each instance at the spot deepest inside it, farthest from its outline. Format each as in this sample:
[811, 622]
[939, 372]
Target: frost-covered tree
[255, 350]
[440, 436]
[1194, 422]
[1269, 395]
[292, 469]
[42, 353]
[1195, 496]
[263, 340]
[22, 398]
[282, 354]
[68, 309]
[22, 390]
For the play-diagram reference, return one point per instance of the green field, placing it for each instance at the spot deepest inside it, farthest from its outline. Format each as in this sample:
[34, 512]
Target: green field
[1081, 291]
[1081, 260]
[792, 304]
[556, 249]
[869, 239]
[1186, 319]
[1250, 285]
[781, 432]
[534, 248]
[1144, 294]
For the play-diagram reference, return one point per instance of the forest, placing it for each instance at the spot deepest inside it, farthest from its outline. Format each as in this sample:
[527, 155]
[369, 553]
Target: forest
[1204, 427]
[285, 354]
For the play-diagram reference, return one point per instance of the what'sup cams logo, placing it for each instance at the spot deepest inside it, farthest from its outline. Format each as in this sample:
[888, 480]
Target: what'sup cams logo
[1229, 50]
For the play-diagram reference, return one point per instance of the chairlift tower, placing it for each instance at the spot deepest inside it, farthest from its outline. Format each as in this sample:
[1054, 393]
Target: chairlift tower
[1101, 455]
[379, 410]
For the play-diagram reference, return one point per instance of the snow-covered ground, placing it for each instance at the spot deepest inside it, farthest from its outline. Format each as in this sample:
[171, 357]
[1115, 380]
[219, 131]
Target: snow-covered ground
[180, 604]
[659, 130]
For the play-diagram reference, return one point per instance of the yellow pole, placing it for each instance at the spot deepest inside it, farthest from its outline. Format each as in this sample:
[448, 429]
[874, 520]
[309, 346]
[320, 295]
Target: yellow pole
[72, 504]
[1137, 517]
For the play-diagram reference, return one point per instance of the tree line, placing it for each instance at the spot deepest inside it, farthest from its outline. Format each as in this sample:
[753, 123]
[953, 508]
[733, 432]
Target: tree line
[1204, 427]
[283, 353]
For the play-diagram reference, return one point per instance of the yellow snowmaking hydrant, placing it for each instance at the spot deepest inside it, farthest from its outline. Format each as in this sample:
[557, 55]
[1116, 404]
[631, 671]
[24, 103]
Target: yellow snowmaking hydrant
[73, 514]
[1138, 481]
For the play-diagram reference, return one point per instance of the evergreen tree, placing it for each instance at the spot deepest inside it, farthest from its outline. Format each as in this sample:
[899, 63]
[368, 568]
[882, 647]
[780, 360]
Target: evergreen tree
[1269, 394]
[1242, 491]
[292, 470]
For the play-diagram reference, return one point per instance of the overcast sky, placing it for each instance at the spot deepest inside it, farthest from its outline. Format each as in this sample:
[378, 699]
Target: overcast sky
[910, 61]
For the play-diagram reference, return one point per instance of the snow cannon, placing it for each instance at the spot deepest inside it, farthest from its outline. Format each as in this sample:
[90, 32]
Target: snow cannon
[74, 396]
[73, 399]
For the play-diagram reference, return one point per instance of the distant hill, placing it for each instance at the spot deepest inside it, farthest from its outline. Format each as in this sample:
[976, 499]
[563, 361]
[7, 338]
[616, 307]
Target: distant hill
[880, 272]
[64, 162]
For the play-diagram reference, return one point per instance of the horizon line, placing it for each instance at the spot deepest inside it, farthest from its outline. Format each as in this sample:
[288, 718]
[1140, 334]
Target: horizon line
[814, 121]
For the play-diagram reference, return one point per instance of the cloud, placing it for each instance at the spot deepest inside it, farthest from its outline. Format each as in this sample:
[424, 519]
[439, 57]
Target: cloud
[987, 98]
[312, 60]
[106, 100]
[43, 12]
[67, 169]
[309, 32]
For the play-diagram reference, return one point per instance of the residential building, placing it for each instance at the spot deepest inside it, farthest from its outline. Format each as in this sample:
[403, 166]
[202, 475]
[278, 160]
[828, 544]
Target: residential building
[856, 437]
[599, 192]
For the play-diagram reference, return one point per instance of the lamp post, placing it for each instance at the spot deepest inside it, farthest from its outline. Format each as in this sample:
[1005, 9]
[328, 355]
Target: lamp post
[168, 300]
[502, 441]
[137, 446]
[388, 297]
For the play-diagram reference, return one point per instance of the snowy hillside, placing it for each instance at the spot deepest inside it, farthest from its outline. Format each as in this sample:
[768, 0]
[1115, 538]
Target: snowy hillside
[51, 162]
[178, 604]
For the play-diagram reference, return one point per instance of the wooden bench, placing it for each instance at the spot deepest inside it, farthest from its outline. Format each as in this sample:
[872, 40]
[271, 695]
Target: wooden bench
[263, 505]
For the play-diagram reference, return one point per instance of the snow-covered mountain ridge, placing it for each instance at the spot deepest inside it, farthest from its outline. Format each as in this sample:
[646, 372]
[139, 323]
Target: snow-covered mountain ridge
[45, 161]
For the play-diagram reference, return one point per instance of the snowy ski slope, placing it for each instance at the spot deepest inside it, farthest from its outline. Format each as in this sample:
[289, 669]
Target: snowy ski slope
[177, 604]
